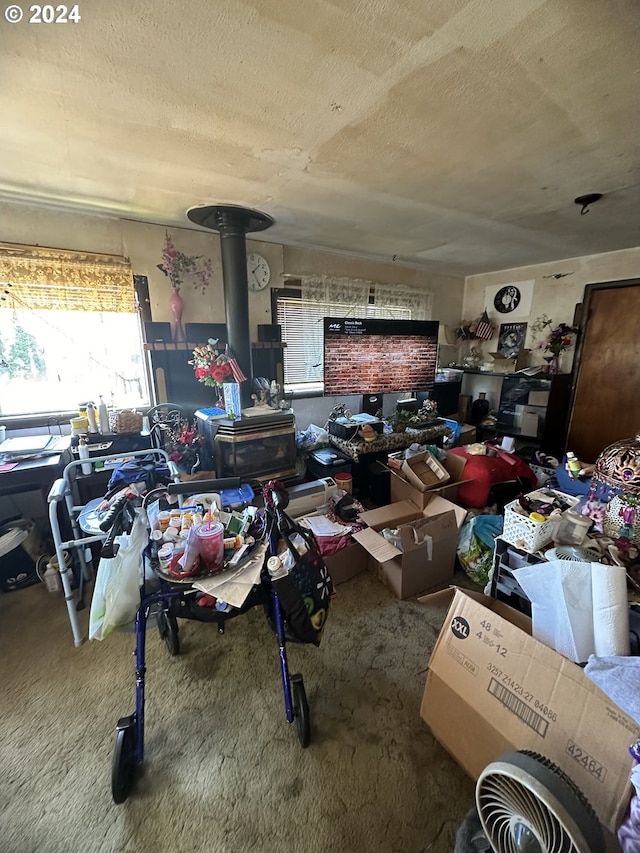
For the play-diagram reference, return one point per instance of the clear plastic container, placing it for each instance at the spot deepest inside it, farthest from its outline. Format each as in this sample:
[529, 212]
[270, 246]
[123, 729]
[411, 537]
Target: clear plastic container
[516, 561]
[211, 545]
[573, 528]
[344, 481]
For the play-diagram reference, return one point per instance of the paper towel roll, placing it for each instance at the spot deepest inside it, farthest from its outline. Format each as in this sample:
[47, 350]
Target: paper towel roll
[561, 606]
[610, 610]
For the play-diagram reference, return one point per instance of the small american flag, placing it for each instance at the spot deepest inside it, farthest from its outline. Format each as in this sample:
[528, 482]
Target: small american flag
[236, 370]
[485, 328]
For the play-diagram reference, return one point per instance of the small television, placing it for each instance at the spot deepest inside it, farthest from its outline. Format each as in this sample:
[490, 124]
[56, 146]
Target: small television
[372, 356]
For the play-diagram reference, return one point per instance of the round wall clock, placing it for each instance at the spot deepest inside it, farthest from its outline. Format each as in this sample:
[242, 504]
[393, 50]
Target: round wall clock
[258, 272]
[507, 299]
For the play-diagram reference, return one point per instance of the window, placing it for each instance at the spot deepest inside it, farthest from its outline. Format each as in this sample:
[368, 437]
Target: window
[300, 312]
[69, 332]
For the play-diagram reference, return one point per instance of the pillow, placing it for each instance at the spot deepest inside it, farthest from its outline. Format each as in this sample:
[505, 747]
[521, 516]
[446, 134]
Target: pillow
[483, 471]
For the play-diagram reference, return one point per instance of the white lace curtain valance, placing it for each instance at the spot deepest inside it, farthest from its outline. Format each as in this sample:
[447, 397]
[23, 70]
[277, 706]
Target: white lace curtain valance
[35, 278]
[352, 295]
[390, 296]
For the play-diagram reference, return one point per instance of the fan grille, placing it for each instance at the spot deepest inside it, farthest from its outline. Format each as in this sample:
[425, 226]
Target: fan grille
[528, 805]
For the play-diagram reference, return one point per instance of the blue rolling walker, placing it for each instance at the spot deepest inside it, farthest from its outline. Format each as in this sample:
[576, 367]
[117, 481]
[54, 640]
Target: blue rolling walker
[170, 602]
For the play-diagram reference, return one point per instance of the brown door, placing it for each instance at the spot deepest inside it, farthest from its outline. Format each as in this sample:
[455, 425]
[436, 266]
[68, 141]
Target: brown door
[606, 405]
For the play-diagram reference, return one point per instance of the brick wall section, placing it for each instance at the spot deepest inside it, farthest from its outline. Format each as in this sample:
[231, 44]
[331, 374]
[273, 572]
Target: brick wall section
[354, 363]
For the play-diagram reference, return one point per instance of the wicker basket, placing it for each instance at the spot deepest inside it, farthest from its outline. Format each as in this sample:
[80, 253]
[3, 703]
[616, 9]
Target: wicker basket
[523, 532]
[125, 420]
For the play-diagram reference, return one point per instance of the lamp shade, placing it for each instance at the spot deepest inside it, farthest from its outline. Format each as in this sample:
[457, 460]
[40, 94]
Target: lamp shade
[445, 336]
[618, 466]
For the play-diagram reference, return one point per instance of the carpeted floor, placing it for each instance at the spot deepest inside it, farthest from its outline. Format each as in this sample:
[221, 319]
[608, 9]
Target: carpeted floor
[223, 771]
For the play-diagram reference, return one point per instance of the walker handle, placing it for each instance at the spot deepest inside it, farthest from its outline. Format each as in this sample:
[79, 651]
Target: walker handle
[114, 511]
[188, 487]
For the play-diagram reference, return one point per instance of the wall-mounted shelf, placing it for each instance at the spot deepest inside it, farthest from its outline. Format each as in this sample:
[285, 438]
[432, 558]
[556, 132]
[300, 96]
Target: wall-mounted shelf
[173, 375]
[161, 346]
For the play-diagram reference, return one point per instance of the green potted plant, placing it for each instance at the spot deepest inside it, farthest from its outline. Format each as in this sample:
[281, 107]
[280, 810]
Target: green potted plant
[399, 420]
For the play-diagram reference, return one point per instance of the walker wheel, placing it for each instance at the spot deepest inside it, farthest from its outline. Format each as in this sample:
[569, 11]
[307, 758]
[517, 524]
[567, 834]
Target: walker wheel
[168, 628]
[123, 766]
[300, 711]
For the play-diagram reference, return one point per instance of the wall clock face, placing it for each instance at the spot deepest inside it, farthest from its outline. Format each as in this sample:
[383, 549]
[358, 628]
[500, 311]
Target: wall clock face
[258, 272]
[507, 299]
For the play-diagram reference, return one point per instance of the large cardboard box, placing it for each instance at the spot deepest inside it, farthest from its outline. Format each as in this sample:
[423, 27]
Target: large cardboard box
[510, 365]
[403, 490]
[428, 538]
[492, 688]
[424, 471]
[346, 563]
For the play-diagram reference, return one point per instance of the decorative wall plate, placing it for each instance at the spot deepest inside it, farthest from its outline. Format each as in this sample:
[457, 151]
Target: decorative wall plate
[507, 299]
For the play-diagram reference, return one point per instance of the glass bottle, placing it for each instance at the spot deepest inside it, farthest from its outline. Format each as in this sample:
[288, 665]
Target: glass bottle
[479, 409]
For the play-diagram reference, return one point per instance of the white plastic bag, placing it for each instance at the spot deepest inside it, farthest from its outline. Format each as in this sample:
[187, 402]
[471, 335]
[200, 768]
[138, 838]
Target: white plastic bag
[116, 594]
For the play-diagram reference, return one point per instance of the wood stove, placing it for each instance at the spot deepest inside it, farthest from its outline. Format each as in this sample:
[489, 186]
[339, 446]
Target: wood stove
[253, 448]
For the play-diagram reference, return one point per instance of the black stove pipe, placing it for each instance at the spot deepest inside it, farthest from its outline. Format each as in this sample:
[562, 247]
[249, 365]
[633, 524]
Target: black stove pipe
[233, 223]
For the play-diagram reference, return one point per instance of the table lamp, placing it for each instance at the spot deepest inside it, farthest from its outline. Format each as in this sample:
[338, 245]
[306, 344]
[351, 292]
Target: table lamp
[446, 338]
[618, 467]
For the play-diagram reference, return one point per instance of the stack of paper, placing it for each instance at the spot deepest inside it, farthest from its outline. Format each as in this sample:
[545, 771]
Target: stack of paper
[28, 447]
[234, 585]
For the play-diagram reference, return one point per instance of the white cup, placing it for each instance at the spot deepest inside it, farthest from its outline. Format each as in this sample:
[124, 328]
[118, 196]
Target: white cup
[3, 433]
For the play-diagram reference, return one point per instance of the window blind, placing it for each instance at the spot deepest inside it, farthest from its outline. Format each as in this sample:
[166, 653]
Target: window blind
[35, 278]
[303, 330]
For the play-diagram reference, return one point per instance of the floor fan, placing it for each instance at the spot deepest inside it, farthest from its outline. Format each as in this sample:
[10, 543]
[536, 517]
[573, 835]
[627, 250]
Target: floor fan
[526, 804]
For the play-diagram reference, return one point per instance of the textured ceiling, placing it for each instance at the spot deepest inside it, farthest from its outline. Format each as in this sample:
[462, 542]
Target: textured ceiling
[451, 134]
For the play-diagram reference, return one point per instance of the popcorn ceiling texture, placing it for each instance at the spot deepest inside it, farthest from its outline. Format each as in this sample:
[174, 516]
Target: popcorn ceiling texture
[451, 135]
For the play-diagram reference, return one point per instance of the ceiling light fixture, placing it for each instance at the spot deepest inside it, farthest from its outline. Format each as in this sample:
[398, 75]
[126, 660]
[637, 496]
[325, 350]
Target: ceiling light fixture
[586, 200]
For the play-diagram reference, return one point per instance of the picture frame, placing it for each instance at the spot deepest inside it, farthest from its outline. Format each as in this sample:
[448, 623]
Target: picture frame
[511, 338]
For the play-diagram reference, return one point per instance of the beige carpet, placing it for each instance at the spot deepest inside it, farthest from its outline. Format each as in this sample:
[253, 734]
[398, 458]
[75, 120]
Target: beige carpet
[223, 770]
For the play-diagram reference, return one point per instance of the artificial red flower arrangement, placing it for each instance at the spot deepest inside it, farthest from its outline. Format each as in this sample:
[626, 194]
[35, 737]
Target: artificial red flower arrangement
[213, 368]
[558, 339]
[183, 444]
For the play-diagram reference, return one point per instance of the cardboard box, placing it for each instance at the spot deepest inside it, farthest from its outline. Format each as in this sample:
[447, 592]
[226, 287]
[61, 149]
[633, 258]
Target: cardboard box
[467, 434]
[403, 490]
[421, 564]
[424, 471]
[346, 563]
[492, 688]
[510, 365]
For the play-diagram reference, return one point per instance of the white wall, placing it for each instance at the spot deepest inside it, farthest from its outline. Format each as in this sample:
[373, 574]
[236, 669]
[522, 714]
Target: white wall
[142, 243]
[556, 298]
[454, 299]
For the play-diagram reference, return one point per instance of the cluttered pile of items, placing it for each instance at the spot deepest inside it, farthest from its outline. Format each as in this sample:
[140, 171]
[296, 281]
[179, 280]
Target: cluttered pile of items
[210, 557]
